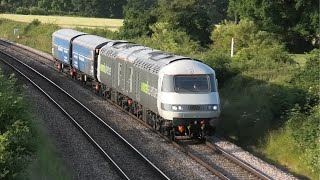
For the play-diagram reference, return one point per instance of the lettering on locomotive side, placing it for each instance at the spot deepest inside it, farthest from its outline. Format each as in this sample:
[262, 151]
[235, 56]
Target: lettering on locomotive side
[146, 88]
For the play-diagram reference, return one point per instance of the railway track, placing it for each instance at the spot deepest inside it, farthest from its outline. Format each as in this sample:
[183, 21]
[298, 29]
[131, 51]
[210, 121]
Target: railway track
[219, 162]
[226, 164]
[124, 157]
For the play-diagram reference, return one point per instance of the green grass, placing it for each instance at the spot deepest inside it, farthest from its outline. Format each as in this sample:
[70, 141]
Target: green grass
[38, 37]
[280, 148]
[47, 163]
[68, 22]
[299, 58]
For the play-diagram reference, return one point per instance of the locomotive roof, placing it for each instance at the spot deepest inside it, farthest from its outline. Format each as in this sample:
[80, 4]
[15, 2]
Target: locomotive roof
[67, 34]
[91, 41]
[143, 57]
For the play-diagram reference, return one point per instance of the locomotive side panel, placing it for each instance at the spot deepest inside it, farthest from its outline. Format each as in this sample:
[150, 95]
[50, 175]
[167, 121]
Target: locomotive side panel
[148, 86]
[104, 70]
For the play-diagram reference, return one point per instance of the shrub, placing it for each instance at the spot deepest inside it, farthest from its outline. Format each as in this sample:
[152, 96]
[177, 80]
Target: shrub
[221, 63]
[305, 128]
[38, 11]
[304, 120]
[167, 39]
[33, 23]
[256, 98]
[245, 34]
[16, 134]
[23, 10]
[308, 78]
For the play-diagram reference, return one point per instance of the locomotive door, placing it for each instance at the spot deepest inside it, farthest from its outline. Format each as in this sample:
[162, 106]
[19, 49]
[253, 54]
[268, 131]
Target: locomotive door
[129, 75]
[120, 76]
[137, 85]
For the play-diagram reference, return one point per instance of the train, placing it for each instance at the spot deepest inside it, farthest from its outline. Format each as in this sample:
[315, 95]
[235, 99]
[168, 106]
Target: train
[178, 96]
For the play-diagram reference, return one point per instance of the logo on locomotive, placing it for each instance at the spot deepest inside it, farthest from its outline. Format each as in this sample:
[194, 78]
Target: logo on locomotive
[146, 88]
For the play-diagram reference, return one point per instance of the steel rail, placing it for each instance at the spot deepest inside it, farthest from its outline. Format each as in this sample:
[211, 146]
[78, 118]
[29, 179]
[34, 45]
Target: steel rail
[239, 162]
[97, 117]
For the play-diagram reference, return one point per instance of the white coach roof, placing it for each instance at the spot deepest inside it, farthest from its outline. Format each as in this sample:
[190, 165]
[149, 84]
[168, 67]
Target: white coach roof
[90, 41]
[67, 34]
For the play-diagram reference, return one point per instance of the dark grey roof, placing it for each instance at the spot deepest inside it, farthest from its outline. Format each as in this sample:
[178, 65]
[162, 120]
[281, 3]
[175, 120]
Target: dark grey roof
[67, 34]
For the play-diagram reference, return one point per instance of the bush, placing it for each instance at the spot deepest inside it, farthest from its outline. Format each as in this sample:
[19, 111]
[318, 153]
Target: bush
[33, 23]
[258, 94]
[23, 10]
[167, 39]
[221, 63]
[308, 78]
[245, 34]
[304, 120]
[38, 11]
[305, 128]
[16, 134]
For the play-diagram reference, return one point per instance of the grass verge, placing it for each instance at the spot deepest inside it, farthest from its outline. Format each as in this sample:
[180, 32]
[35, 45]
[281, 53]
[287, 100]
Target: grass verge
[47, 163]
[279, 147]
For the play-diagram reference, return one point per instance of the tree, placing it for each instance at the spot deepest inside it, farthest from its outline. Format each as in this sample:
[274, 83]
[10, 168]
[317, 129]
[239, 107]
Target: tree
[296, 21]
[186, 15]
[115, 8]
[216, 10]
[170, 40]
[138, 18]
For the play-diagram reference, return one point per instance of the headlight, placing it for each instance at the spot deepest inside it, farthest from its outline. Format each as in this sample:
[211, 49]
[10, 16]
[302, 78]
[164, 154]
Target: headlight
[215, 107]
[174, 108]
[180, 108]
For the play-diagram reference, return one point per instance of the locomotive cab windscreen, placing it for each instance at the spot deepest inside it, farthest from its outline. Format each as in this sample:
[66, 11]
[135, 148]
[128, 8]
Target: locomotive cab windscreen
[192, 84]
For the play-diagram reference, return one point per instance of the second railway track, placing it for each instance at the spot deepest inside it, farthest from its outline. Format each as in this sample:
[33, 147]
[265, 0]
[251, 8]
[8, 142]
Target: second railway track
[127, 160]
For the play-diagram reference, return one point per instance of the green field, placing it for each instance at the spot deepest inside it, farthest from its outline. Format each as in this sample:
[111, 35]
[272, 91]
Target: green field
[68, 22]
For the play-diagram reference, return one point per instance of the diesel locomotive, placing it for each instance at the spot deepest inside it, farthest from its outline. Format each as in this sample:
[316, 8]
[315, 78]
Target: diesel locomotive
[176, 95]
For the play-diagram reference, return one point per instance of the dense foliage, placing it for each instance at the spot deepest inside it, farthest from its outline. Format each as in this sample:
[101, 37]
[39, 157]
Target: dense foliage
[296, 21]
[92, 8]
[305, 119]
[138, 18]
[189, 16]
[16, 134]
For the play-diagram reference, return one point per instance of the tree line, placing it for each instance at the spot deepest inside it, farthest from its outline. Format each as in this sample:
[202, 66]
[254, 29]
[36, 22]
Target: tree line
[90, 8]
[294, 22]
